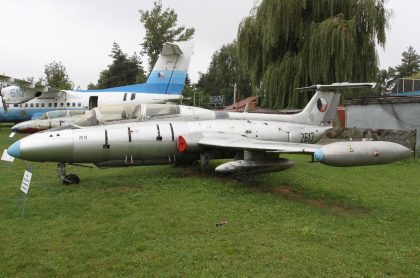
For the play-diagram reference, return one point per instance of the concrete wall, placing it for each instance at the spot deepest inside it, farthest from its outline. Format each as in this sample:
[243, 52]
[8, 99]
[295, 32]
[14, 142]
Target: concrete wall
[396, 116]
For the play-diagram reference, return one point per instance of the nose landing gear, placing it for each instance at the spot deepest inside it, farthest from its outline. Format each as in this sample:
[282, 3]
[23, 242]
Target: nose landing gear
[67, 179]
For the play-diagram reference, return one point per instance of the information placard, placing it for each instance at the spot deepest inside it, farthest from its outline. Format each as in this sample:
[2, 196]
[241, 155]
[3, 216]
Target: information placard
[7, 157]
[26, 182]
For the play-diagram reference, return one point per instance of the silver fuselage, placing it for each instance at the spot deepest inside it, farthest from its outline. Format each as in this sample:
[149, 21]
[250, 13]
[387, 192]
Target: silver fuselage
[150, 140]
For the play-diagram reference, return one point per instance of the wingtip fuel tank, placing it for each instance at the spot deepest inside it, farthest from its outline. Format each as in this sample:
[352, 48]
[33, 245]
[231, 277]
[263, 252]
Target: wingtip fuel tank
[14, 150]
[361, 153]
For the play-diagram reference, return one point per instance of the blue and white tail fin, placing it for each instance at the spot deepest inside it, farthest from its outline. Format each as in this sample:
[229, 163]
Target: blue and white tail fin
[322, 108]
[170, 70]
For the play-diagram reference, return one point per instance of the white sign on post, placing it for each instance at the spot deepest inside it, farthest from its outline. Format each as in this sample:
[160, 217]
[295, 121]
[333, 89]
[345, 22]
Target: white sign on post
[26, 182]
[7, 157]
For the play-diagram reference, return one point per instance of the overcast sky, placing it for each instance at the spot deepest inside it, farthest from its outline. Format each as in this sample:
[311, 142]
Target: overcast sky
[79, 33]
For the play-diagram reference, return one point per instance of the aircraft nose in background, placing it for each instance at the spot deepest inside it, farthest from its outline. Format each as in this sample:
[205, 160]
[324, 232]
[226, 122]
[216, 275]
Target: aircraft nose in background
[20, 127]
[16, 127]
[14, 150]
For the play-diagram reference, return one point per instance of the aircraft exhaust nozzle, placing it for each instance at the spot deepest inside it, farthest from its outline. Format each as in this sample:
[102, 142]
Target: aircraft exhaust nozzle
[362, 153]
[189, 142]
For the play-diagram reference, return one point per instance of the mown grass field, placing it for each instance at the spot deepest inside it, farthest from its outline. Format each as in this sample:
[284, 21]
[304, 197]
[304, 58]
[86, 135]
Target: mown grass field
[311, 220]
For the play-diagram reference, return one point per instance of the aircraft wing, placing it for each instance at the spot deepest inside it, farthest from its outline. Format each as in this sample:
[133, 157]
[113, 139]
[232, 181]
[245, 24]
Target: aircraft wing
[24, 84]
[25, 90]
[246, 143]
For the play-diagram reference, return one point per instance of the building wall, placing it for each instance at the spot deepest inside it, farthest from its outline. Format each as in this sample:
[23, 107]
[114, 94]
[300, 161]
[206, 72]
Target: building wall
[385, 116]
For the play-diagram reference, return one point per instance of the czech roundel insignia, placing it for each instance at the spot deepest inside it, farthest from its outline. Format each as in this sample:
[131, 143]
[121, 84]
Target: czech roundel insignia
[322, 104]
[161, 74]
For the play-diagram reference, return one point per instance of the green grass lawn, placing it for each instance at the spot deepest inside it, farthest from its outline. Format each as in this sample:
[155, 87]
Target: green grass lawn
[312, 220]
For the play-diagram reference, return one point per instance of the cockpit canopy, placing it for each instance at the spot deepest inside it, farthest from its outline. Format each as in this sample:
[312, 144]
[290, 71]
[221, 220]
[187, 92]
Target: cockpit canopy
[127, 112]
[61, 114]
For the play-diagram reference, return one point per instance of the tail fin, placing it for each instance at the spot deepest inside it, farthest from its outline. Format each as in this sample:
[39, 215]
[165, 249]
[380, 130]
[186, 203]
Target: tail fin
[170, 70]
[322, 108]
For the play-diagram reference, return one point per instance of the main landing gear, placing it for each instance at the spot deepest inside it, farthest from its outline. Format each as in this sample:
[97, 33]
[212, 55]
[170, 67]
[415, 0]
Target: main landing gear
[67, 179]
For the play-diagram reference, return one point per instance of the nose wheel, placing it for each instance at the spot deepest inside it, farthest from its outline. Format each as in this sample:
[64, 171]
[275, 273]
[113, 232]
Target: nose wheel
[67, 179]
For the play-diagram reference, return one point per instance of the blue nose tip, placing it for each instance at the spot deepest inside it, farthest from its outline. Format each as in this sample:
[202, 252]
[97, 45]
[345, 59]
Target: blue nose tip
[14, 150]
[319, 155]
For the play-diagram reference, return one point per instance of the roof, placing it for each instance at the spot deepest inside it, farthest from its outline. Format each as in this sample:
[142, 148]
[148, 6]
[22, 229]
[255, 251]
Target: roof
[382, 100]
[241, 103]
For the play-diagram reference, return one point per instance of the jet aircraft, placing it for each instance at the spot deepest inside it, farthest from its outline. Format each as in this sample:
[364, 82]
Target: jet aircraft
[51, 119]
[25, 100]
[255, 141]
[112, 114]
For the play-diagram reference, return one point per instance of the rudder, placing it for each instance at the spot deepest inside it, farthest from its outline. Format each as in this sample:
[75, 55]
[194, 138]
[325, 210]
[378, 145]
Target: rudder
[322, 108]
[170, 70]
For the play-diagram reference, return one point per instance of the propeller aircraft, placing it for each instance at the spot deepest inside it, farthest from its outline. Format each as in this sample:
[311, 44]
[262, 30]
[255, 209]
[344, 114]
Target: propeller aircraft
[24, 100]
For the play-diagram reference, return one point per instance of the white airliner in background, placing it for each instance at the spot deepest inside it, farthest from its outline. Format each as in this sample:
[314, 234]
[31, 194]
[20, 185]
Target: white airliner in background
[24, 100]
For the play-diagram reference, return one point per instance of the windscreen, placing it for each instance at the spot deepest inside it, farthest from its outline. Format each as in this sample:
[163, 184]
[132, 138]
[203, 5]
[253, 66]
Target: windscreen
[72, 113]
[43, 117]
[56, 114]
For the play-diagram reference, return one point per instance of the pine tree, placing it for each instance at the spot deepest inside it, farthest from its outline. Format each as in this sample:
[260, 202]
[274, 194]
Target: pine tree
[124, 70]
[410, 63]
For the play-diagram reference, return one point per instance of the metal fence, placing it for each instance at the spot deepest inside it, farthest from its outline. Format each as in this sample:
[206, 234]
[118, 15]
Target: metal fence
[404, 85]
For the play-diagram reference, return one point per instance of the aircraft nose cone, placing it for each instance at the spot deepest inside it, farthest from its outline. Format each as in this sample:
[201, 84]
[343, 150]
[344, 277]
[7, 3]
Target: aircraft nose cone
[319, 155]
[16, 127]
[14, 150]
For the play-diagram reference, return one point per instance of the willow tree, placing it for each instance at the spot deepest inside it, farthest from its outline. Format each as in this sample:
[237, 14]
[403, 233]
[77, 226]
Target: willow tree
[285, 44]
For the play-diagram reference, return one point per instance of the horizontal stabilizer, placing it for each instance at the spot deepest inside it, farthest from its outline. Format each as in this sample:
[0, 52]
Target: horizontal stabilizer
[338, 86]
[170, 49]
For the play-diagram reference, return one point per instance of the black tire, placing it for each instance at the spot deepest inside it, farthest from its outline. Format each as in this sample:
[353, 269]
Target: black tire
[71, 179]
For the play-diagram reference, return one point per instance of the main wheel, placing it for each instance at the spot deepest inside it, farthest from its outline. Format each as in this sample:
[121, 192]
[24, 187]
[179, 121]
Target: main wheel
[71, 179]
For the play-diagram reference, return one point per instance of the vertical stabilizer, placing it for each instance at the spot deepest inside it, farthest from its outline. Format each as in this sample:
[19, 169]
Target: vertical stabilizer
[170, 70]
[322, 108]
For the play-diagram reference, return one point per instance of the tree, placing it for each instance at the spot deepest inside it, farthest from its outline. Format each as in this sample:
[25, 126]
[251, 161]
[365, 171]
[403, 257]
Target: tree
[188, 92]
[161, 27]
[416, 75]
[409, 68]
[91, 86]
[410, 63]
[56, 76]
[224, 72]
[387, 79]
[285, 44]
[123, 71]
